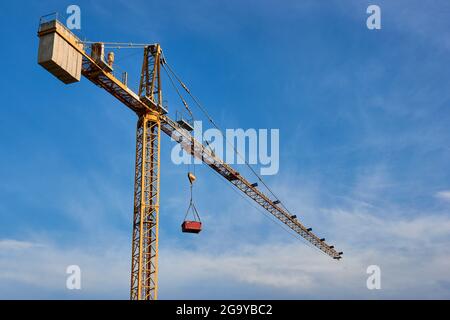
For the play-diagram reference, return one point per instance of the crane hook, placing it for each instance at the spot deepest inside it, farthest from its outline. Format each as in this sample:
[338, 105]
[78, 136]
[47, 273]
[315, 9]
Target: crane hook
[191, 178]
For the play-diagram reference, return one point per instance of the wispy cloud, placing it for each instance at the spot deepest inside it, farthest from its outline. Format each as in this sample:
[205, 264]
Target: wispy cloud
[11, 244]
[41, 268]
[413, 253]
[443, 195]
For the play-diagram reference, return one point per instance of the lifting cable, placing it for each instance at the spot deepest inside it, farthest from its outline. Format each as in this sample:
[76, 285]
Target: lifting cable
[191, 176]
[183, 101]
[192, 207]
[178, 92]
[119, 45]
[199, 105]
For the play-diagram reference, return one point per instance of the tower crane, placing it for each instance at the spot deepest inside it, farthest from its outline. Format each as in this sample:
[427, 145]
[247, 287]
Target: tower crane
[64, 55]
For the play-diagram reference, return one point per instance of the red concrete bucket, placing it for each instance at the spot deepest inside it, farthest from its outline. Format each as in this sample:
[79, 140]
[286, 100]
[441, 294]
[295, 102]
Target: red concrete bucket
[191, 227]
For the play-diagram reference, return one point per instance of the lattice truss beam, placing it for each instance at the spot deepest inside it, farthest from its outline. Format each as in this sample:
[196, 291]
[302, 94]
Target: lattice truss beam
[144, 265]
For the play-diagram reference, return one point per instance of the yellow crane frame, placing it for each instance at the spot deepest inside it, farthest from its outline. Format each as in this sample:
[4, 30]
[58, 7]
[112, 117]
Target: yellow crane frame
[152, 119]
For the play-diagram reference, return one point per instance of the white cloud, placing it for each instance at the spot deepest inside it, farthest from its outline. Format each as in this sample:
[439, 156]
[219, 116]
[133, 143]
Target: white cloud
[412, 266]
[414, 260]
[422, 228]
[10, 244]
[443, 195]
[30, 270]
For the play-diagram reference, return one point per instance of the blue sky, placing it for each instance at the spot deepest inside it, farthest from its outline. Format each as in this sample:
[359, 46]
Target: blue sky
[364, 151]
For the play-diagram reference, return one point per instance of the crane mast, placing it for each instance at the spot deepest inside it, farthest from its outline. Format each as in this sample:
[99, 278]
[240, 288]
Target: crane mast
[144, 256]
[152, 120]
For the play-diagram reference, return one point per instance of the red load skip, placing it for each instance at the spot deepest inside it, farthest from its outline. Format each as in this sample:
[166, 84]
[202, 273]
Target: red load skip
[191, 227]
